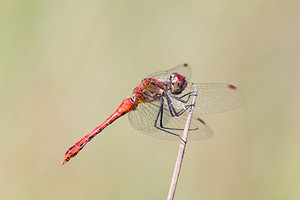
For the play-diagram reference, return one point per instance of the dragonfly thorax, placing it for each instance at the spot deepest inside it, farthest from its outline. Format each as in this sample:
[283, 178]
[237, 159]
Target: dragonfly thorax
[177, 83]
[150, 89]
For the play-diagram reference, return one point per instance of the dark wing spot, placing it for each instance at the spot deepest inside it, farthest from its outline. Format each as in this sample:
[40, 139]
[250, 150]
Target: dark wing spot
[185, 64]
[232, 87]
[201, 121]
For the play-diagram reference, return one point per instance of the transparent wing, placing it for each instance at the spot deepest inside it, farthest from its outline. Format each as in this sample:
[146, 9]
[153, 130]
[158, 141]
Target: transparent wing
[212, 97]
[143, 118]
[183, 69]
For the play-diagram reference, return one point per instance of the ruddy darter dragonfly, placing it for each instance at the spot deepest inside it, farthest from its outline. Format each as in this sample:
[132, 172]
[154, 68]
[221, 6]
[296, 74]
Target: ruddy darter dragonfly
[158, 106]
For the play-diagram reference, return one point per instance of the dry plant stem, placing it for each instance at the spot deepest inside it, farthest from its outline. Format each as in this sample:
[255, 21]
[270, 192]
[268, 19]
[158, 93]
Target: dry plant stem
[181, 152]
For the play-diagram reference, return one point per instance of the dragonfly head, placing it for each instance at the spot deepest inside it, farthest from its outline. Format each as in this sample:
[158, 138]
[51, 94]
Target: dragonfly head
[178, 83]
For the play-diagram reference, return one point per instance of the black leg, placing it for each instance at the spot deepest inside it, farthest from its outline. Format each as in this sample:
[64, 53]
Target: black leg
[161, 127]
[172, 109]
[189, 94]
[159, 116]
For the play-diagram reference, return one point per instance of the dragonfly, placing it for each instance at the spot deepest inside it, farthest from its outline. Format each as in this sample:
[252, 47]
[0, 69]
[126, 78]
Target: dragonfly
[158, 107]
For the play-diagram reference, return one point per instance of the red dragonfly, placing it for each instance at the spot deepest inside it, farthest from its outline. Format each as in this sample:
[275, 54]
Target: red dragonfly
[158, 106]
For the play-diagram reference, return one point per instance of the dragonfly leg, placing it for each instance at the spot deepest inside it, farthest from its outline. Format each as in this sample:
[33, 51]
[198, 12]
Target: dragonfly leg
[164, 128]
[159, 117]
[174, 113]
[172, 109]
[189, 94]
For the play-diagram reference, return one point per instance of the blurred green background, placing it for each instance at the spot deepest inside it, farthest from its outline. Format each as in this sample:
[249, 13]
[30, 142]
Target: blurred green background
[66, 66]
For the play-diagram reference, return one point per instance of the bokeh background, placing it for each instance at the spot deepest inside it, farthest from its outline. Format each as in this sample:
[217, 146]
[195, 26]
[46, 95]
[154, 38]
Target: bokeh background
[66, 66]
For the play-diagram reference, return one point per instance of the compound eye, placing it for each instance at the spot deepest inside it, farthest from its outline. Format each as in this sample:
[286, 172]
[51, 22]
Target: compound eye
[178, 83]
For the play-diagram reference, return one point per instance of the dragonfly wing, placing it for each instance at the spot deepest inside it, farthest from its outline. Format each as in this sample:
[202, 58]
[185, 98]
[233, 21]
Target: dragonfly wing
[215, 97]
[203, 131]
[183, 69]
[199, 130]
[144, 116]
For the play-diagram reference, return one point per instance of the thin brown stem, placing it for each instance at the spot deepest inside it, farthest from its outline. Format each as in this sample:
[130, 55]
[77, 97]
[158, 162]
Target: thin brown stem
[181, 152]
